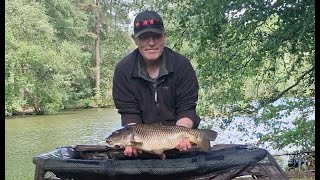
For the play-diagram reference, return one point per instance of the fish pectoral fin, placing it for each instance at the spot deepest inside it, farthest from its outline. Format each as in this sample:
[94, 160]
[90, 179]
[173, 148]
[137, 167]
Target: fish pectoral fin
[162, 156]
[159, 152]
[131, 144]
[133, 141]
[136, 142]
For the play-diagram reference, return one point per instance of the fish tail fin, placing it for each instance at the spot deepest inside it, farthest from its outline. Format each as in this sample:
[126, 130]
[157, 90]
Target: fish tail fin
[205, 136]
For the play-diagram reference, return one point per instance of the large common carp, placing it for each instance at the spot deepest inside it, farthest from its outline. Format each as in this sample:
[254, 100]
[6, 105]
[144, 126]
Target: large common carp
[154, 138]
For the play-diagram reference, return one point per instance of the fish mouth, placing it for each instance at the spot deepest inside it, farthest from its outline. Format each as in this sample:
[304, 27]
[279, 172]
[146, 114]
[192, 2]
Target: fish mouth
[111, 143]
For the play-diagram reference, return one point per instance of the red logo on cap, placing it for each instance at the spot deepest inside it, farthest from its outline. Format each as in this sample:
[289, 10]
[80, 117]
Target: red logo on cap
[146, 22]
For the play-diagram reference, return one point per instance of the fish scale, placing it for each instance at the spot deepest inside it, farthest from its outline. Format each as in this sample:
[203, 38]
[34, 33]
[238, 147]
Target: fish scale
[163, 132]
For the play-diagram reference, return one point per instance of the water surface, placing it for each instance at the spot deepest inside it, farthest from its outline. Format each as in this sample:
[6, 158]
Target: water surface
[28, 136]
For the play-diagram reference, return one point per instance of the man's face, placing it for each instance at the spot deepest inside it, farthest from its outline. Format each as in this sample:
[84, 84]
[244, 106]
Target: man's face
[151, 45]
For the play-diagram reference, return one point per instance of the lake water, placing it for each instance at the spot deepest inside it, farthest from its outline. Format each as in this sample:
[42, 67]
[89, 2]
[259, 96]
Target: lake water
[29, 136]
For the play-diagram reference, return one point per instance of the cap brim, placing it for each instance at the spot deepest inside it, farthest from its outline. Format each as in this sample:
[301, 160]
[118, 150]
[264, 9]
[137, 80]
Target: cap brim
[158, 31]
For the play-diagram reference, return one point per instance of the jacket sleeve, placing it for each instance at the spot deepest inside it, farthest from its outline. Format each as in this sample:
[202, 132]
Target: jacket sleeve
[124, 98]
[187, 88]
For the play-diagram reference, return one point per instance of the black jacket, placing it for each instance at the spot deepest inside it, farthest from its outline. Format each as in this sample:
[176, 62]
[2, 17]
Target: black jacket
[141, 101]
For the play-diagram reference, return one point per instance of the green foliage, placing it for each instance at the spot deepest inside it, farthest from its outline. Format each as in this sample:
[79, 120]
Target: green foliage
[302, 136]
[50, 76]
[40, 73]
[115, 46]
[291, 121]
[67, 17]
[49, 53]
[12, 99]
[75, 67]
[247, 55]
[27, 21]
[24, 22]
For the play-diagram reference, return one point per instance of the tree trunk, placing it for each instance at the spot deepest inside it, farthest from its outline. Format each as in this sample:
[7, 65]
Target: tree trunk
[97, 51]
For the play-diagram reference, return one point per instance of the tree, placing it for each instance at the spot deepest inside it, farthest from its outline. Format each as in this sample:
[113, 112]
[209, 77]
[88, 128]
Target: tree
[249, 56]
[110, 18]
[41, 71]
[51, 48]
[67, 17]
[25, 22]
[97, 49]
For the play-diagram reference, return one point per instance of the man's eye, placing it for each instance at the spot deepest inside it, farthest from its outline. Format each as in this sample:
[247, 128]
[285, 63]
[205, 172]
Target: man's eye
[154, 36]
[157, 36]
[144, 37]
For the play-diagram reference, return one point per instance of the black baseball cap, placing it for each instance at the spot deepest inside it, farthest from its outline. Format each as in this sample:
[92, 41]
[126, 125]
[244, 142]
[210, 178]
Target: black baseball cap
[148, 21]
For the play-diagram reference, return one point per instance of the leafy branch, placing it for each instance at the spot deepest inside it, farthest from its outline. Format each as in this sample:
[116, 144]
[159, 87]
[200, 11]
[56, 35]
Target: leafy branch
[249, 109]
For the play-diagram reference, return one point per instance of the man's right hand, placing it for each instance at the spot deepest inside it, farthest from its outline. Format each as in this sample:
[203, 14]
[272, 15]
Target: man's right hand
[130, 150]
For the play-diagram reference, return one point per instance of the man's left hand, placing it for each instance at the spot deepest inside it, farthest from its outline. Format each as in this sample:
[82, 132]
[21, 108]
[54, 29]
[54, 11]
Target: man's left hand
[184, 145]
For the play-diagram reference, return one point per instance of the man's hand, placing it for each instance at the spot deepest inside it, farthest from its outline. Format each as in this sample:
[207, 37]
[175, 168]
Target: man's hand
[184, 145]
[186, 122]
[130, 150]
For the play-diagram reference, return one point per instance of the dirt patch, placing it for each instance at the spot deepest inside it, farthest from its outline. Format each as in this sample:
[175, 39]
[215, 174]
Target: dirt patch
[301, 175]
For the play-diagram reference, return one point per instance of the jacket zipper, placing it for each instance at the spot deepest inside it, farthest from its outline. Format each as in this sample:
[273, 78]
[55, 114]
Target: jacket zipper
[156, 95]
[155, 85]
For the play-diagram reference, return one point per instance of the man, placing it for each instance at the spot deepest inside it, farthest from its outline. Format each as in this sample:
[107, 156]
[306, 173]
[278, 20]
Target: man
[154, 84]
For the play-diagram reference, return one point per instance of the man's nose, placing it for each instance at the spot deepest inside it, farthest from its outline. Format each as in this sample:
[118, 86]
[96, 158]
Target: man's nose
[151, 40]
